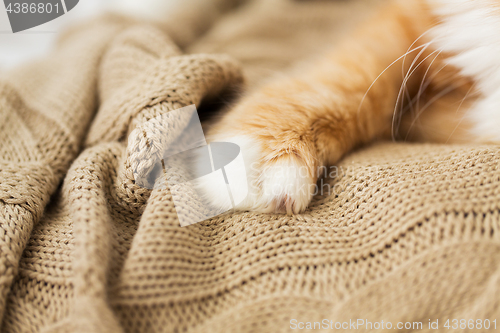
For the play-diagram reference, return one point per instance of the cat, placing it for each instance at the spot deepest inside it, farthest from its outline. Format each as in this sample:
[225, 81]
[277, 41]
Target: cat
[292, 126]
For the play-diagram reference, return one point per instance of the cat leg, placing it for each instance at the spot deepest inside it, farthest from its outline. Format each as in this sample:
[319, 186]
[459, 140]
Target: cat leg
[291, 127]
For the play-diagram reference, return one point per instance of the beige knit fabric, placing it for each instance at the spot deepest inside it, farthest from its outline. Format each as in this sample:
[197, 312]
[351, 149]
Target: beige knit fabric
[403, 233]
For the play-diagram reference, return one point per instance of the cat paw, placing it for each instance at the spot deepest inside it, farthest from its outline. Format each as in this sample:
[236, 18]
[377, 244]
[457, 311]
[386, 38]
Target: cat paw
[278, 180]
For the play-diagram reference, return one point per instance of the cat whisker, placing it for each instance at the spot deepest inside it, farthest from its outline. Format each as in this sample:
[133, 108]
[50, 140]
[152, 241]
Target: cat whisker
[430, 102]
[382, 73]
[403, 74]
[423, 86]
[458, 109]
[404, 87]
[410, 72]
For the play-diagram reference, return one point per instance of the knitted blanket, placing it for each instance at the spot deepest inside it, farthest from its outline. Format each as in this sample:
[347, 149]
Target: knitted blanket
[406, 235]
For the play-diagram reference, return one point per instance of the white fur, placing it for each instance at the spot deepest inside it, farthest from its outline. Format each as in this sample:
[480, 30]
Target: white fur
[286, 186]
[271, 184]
[471, 30]
[220, 201]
